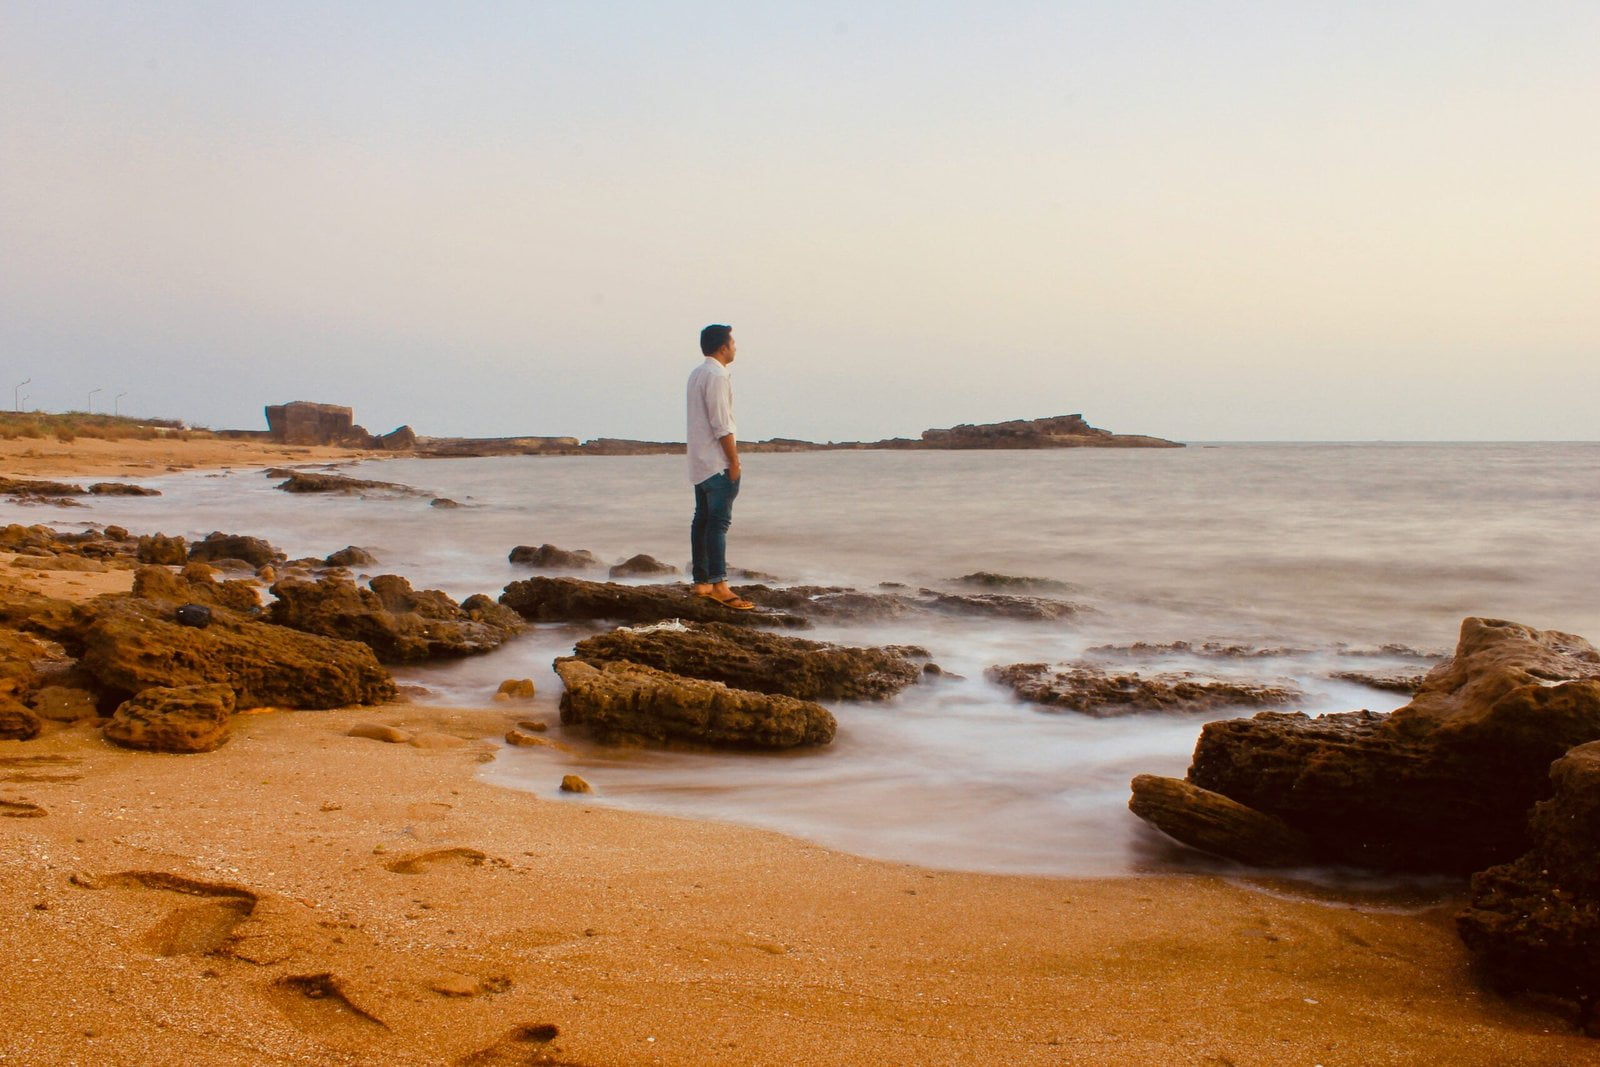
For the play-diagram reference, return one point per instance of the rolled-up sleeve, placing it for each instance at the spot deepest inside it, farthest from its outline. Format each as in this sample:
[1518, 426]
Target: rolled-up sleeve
[719, 408]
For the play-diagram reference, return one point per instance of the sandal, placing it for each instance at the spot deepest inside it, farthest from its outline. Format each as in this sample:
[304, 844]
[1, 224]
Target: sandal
[735, 602]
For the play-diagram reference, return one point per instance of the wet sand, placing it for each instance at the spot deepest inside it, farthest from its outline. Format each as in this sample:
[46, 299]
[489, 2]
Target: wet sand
[304, 896]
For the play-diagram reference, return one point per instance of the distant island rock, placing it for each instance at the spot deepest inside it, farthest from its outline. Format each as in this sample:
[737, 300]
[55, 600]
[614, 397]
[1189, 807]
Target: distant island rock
[329, 424]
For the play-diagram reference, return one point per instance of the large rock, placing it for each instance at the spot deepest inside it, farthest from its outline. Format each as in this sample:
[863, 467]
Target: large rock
[312, 482]
[18, 723]
[130, 645]
[549, 557]
[628, 702]
[183, 719]
[302, 423]
[642, 566]
[220, 546]
[1213, 823]
[1534, 924]
[161, 549]
[757, 660]
[1086, 688]
[1442, 784]
[543, 599]
[399, 624]
[196, 584]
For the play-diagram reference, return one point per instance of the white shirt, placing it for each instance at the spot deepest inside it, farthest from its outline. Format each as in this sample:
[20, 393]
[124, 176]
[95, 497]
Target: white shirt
[710, 419]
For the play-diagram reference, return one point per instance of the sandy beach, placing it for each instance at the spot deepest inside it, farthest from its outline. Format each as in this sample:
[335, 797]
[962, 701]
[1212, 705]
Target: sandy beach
[301, 895]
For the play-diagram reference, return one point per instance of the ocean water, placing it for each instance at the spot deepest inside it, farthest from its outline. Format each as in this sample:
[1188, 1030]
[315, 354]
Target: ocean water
[1323, 552]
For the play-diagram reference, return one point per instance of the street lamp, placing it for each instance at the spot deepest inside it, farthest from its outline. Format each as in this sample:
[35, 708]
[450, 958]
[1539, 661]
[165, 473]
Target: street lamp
[15, 393]
[116, 405]
[91, 400]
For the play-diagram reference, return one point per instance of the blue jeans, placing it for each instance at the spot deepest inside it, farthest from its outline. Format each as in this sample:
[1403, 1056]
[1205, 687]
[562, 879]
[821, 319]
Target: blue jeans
[708, 534]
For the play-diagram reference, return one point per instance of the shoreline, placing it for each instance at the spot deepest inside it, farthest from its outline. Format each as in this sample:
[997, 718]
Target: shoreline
[635, 937]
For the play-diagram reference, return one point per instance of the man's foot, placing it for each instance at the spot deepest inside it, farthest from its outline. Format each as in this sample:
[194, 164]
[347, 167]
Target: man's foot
[724, 596]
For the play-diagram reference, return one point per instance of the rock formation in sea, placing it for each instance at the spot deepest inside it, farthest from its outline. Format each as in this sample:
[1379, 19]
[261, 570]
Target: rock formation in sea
[1444, 783]
[628, 703]
[550, 558]
[1091, 690]
[757, 660]
[543, 599]
[399, 624]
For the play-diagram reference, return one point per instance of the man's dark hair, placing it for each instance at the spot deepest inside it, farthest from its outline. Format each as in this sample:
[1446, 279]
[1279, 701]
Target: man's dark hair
[712, 338]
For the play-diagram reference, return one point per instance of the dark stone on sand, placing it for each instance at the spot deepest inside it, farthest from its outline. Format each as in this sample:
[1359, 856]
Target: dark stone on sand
[196, 615]
[1533, 925]
[757, 660]
[220, 546]
[1444, 784]
[130, 645]
[626, 702]
[1213, 823]
[179, 719]
[642, 566]
[549, 557]
[572, 783]
[350, 556]
[1089, 689]
[399, 624]
[544, 599]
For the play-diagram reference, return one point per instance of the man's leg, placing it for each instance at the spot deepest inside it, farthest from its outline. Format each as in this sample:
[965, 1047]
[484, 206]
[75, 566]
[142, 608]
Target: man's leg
[720, 493]
[697, 541]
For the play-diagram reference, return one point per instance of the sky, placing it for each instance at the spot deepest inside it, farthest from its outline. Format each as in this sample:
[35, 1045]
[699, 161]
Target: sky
[1194, 219]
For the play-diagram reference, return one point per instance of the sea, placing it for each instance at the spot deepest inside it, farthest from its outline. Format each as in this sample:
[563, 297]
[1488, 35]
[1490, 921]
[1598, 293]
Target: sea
[1318, 558]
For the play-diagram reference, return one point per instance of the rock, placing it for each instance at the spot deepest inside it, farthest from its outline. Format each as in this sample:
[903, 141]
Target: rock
[302, 423]
[643, 566]
[399, 439]
[1086, 688]
[61, 703]
[991, 580]
[758, 661]
[435, 740]
[351, 556]
[1058, 431]
[399, 624]
[515, 689]
[308, 482]
[571, 783]
[442, 502]
[524, 739]
[543, 599]
[1213, 823]
[625, 702]
[121, 489]
[1534, 924]
[535, 725]
[197, 584]
[1004, 606]
[190, 718]
[831, 602]
[18, 655]
[24, 487]
[59, 563]
[251, 550]
[1388, 681]
[161, 549]
[549, 557]
[18, 723]
[130, 646]
[1443, 784]
[377, 732]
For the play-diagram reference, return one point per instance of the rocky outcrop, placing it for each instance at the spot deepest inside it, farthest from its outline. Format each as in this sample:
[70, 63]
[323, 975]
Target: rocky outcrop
[628, 703]
[1001, 606]
[543, 599]
[197, 583]
[551, 558]
[1060, 431]
[643, 566]
[303, 423]
[830, 602]
[399, 624]
[1534, 924]
[161, 549]
[991, 580]
[132, 645]
[311, 482]
[183, 719]
[757, 660]
[18, 722]
[1213, 823]
[218, 547]
[1091, 690]
[1443, 784]
[350, 556]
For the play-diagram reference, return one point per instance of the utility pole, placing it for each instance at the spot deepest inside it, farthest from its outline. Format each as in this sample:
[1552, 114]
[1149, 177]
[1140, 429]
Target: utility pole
[116, 405]
[17, 392]
[91, 400]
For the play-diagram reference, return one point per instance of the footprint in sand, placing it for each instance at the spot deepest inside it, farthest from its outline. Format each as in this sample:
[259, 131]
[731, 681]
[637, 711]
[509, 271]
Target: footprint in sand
[525, 1044]
[32, 768]
[429, 811]
[190, 929]
[317, 1005]
[418, 862]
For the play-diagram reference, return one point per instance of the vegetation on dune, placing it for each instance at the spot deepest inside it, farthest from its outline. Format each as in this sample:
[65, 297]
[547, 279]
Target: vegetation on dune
[70, 425]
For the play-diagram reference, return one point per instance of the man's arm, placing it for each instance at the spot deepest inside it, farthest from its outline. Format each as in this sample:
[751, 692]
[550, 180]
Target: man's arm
[730, 449]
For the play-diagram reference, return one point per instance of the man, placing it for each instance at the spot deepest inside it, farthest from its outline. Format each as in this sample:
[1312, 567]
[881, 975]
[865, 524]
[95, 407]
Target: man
[713, 466]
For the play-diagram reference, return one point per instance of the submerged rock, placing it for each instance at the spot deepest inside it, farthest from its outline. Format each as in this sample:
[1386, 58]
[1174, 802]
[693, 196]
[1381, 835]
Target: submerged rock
[549, 557]
[1213, 823]
[1388, 681]
[130, 646]
[642, 566]
[1534, 924]
[543, 599]
[350, 556]
[307, 482]
[399, 624]
[991, 580]
[1086, 688]
[623, 702]
[758, 661]
[181, 719]
[1443, 784]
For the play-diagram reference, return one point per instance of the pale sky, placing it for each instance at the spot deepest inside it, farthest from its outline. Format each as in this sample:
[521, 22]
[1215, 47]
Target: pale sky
[1199, 220]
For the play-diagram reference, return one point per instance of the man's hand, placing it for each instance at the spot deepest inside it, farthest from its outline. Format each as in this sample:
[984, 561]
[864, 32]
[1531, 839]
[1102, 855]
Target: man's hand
[733, 470]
